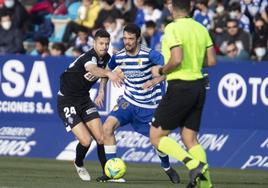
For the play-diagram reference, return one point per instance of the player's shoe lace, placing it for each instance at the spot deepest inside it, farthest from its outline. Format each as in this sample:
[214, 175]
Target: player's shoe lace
[82, 173]
[196, 174]
[173, 175]
[105, 178]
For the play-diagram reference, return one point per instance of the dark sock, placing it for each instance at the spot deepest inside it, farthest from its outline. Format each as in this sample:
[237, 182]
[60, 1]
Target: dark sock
[81, 152]
[101, 155]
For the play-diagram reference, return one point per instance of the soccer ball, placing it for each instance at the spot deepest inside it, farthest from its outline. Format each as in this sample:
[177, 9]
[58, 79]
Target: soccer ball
[115, 168]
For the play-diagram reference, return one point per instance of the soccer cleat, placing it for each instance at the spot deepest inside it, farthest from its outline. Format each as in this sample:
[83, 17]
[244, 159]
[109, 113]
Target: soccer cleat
[105, 178]
[173, 175]
[196, 174]
[82, 173]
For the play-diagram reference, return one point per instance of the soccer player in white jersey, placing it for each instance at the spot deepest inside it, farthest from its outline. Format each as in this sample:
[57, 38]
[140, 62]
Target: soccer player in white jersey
[137, 105]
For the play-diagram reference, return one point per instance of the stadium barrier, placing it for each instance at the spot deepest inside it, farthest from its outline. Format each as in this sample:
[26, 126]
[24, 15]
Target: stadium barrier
[234, 125]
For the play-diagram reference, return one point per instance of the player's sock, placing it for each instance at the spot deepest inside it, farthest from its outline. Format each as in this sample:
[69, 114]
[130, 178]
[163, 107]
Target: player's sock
[164, 160]
[199, 153]
[81, 152]
[172, 148]
[101, 155]
[110, 151]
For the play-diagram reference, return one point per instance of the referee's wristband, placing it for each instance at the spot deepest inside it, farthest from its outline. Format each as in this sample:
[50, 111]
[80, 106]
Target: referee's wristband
[160, 71]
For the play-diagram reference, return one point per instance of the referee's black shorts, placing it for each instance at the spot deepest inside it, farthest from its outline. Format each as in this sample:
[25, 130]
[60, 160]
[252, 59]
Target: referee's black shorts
[181, 106]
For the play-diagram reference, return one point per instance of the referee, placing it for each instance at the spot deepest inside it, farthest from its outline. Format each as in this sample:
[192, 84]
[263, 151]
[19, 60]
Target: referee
[186, 47]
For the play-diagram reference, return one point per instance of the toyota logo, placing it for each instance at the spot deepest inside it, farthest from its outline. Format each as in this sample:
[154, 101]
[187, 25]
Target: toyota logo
[232, 90]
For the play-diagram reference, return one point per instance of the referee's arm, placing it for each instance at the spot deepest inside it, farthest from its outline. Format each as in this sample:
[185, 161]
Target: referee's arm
[176, 57]
[210, 57]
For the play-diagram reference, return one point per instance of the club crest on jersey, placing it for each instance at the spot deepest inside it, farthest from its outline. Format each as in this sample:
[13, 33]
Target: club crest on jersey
[124, 105]
[70, 120]
[139, 62]
[94, 60]
[116, 107]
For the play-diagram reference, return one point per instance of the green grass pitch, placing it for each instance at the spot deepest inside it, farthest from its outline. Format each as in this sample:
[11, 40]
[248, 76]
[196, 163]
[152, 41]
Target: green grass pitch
[40, 173]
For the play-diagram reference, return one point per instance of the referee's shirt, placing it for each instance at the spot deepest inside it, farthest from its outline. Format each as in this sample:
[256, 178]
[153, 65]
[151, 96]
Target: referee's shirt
[194, 39]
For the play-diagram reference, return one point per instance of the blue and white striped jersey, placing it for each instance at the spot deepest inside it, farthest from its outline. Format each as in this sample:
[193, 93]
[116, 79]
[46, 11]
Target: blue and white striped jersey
[137, 70]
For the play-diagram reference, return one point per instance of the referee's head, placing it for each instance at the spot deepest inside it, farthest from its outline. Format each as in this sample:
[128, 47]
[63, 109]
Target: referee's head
[182, 5]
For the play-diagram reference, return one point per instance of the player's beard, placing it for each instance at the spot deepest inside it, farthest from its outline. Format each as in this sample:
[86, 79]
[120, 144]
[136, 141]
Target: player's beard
[130, 49]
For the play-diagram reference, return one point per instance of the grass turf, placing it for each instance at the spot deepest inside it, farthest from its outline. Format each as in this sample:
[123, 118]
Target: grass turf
[43, 173]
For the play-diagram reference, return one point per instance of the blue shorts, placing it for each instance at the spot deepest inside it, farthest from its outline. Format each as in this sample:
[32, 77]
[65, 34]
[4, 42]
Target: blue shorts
[139, 118]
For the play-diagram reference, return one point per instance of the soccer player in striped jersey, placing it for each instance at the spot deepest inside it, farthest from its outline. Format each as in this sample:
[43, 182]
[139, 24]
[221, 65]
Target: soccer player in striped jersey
[137, 105]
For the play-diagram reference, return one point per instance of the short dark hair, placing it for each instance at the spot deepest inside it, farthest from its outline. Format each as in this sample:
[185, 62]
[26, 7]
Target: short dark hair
[232, 20]
[101, 33]
[182, 4]
[235, 6]
[150, 24]
[202, 2]
[133, 28]
[58, 46]
[42, 40]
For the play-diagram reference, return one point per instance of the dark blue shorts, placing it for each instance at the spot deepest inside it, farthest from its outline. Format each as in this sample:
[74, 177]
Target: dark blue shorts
[139, 118]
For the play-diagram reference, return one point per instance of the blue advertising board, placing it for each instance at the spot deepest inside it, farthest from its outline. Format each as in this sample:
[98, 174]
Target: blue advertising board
[234, 128]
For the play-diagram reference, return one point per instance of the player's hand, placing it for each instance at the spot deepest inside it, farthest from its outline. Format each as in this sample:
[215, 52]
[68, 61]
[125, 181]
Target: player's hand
[115, 79]
[151, 83]
[119, 72]
[99, 100]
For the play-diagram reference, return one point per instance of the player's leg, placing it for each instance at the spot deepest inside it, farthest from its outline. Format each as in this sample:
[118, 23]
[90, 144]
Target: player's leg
[84, 138]
[119, 116]
[109, 127]
[91, 116]
[96, 130]
[68, 112]
[165, 164]
[141, 119]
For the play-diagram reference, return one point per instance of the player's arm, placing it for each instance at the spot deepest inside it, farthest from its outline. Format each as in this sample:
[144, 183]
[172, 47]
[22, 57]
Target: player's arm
[99, 100]
[92, 68]
[151, 83]
[97, 71]
[158, 60]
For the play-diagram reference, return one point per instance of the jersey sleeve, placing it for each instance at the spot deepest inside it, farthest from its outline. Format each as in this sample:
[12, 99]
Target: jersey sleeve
[112, 64]
[172, 39]
[209, 40]
[156, 58]
[92, 61]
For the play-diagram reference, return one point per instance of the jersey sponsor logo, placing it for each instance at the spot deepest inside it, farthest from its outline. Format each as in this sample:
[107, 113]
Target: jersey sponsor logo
[91, 110]
[233, 90]
[88, 76]
[134, 74]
